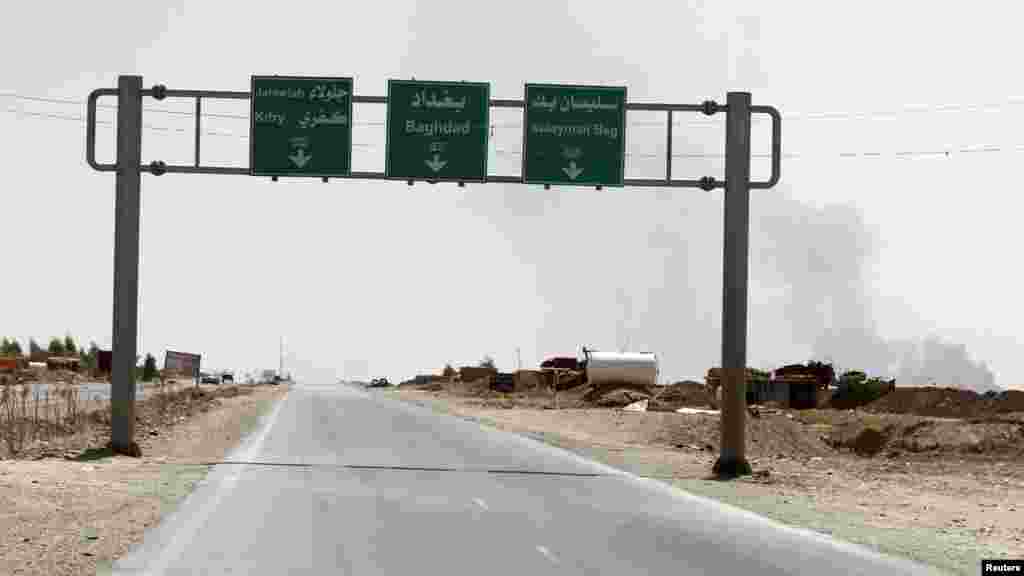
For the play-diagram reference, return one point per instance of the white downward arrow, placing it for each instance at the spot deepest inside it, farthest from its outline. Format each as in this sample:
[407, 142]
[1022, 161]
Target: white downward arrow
[436, 164]
[299, 158]
[572, 171]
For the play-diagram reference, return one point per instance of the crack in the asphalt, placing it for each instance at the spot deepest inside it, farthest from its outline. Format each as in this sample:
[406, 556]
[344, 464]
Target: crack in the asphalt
[411, 468]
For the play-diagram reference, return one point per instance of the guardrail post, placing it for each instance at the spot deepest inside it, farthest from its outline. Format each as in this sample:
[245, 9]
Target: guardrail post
[126, 264]
[732, 458]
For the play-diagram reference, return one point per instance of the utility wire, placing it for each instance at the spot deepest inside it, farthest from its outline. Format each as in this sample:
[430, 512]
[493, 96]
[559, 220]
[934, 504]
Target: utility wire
[185, 113]
[864, 115]
[82, 120]
[943, 152]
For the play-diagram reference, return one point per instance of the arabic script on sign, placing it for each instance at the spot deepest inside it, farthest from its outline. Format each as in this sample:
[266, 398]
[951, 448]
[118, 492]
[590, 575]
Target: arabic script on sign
[328, 94]
[336, 118]
[421, 99]
[572, 103]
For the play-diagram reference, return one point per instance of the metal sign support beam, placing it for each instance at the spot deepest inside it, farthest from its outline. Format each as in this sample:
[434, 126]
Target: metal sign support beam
[126, 264]
[732, 458]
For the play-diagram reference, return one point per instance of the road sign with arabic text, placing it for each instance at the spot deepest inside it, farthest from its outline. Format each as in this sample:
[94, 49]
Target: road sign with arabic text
[438, 130]
[300, 126]
[574, 135]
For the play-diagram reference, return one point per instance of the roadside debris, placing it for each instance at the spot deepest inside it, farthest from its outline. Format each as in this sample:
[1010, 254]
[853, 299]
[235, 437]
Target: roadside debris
[640, 406]
[685, 410]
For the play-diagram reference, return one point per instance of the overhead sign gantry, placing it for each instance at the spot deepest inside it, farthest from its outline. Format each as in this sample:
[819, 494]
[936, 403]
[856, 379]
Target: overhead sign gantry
[436, 132]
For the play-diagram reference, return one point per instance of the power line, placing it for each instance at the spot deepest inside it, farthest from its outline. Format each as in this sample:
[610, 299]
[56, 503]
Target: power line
[975, 107]
[81, 119]
[942, 152]
[185, 113]
[49, 100]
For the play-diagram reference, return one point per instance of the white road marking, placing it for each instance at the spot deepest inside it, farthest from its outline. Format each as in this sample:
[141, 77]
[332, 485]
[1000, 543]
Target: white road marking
[481, 503]
[547, 554]
[187, 534]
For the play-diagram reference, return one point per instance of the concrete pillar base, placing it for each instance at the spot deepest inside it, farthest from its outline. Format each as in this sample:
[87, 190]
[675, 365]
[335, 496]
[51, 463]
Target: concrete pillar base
[131, 449]
[731, 468]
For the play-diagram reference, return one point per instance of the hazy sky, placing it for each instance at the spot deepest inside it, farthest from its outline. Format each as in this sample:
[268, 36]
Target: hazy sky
[860, 258]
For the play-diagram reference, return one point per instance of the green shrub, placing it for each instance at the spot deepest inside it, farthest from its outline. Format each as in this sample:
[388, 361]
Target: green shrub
[859, 389]
[56, 346]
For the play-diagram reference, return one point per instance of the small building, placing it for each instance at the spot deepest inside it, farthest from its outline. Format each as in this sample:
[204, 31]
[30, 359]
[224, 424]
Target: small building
[795, 388]
[503, 382]
[471, 373]
[104, 361]
[760, 391]
[532, 380]
[757, 382]
[70, 363]
[10, 363]
[802, 394]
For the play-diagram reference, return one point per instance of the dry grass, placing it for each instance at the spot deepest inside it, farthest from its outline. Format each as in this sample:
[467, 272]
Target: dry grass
[49, 500]
[29, 414]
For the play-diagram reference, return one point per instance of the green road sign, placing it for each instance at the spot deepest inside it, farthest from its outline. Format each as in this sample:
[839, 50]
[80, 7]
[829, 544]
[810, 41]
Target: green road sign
[300, 126]
[438, 130]
[574, 135]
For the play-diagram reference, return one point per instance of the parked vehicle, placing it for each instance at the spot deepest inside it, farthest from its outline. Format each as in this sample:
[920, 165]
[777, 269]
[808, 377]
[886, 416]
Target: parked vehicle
[208, 379]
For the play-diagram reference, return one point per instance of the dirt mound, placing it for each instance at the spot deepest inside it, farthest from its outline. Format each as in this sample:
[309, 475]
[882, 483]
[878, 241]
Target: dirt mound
[613, 394]
[868, 435]
[864, 438]
[979, 437]
[947, 402]
[869, 442]
[674, 396]
[768, 436]
[619, 398]
[480, 387]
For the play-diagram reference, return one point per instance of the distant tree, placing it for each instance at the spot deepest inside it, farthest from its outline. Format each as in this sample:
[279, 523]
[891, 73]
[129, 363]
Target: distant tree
[15, 347]
[34, 347]
[56, 346]
[149, 368]
[69, 345]
[5, 346]
[487, 362]
[90, 357]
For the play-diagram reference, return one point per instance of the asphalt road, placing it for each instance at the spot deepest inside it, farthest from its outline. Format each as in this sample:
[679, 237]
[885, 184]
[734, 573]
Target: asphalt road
[340, 481]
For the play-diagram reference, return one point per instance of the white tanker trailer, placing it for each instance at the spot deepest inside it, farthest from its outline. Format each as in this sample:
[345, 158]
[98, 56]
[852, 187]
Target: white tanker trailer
[635, 368]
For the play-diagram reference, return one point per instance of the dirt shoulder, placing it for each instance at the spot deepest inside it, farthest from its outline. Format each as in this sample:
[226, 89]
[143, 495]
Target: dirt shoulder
[949, 511]
[70, 507]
